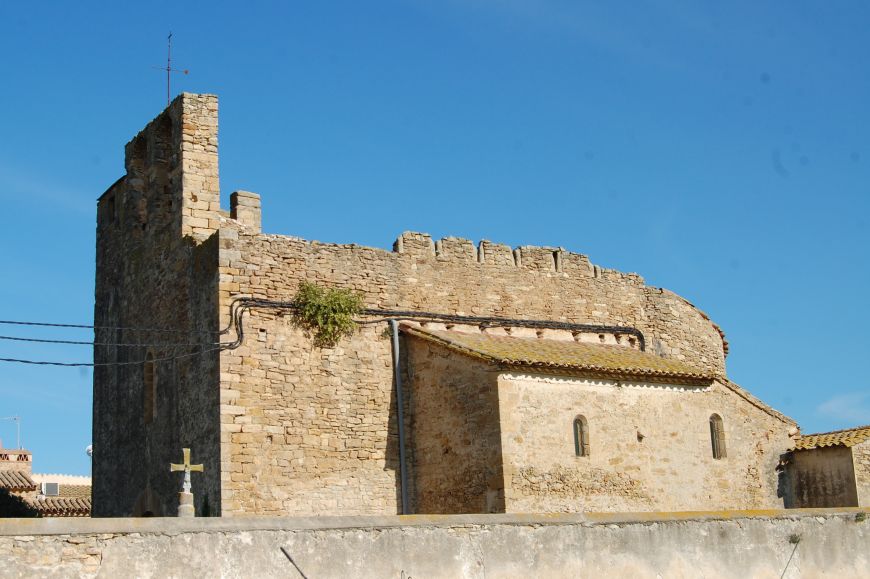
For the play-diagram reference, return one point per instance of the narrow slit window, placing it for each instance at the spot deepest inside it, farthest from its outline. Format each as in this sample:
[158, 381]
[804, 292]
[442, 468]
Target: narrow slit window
[150, 384]
[581, 436]
[717, 436]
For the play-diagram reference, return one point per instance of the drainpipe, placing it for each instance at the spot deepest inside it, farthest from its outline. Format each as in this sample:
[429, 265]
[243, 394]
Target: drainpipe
[397, 373]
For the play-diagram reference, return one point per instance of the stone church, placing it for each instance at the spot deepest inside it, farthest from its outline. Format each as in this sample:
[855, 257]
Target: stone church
[481, 379]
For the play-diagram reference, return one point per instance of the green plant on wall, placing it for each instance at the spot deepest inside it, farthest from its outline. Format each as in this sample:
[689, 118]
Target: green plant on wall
[326, 312]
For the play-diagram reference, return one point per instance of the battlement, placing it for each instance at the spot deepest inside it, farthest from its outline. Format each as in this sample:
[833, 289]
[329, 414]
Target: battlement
[535, 258]
[171, 179]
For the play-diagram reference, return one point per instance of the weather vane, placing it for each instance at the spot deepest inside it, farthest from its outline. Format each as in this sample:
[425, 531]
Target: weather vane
[169, 70]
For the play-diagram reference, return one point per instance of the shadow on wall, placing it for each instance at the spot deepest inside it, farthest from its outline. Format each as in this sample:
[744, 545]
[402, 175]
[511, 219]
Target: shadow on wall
[12, 506]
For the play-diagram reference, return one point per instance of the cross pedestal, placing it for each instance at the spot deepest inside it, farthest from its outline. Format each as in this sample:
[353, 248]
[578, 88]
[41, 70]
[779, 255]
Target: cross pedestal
[185, 497]
[185, 505]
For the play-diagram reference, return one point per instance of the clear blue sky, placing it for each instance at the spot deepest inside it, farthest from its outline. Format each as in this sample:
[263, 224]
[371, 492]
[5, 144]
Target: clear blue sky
[721, 150]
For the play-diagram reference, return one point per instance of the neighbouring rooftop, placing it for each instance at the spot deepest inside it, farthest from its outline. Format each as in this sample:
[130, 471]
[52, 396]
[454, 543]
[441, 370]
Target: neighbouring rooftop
[846, 437]
[16, 481]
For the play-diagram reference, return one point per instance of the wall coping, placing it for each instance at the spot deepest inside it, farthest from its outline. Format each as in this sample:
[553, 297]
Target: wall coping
[174, 526]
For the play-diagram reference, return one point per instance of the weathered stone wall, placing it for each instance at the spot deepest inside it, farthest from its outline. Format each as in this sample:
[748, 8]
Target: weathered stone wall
[792, 544]
[456, 438]
[650, 447]
[283, 427]
[822, 477]
[353, 382]
[861, 464]
[153, 272]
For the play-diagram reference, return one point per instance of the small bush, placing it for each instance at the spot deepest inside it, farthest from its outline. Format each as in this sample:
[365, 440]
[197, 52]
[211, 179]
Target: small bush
[860, 517]
[794, 539]
[327, 313]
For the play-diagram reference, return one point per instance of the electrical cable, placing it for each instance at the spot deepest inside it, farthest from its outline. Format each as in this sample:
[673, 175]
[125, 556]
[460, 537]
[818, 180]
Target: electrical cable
[103, 364]
[87, 327]
[125, 345]
[239, 306]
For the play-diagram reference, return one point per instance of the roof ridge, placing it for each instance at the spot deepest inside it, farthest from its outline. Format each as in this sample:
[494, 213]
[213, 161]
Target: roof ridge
[755, 401]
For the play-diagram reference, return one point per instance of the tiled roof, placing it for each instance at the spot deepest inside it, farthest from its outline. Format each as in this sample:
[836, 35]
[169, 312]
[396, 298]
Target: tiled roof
[16, 480]
[61, 507]
[75, 491]
[847, 437]
[545, 355]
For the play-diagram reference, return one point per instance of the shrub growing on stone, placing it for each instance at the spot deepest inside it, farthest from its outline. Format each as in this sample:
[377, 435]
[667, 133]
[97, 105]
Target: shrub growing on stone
[328, 313]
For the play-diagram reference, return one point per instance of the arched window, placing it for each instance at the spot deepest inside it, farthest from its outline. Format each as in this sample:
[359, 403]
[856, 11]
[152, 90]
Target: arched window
[150, 382]
[717, 436]
[581, 436]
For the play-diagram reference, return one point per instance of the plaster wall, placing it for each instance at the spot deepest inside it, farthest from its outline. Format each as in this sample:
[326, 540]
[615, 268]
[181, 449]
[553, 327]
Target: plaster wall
[650, 447]
[823, 477]
[816, 543]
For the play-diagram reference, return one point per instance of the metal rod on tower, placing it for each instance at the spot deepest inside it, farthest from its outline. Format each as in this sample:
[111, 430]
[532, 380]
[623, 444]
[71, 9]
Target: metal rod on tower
[169, 70]
[17, 420]
[168, 67]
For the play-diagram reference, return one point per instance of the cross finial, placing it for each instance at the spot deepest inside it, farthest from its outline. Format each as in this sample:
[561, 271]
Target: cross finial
[187, 468]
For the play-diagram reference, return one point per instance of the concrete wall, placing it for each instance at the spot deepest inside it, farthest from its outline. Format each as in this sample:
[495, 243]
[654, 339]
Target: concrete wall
[154, 269]
[650, 447]
[455, 433]
[772, 544]
[822, 477]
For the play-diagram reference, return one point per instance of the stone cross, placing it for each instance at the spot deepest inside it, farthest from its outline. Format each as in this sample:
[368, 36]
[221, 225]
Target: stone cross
[185, 497]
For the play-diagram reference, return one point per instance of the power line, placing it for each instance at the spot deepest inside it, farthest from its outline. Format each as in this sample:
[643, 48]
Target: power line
[239, 306]
[126, 345]
[103, 364]
[87, 327]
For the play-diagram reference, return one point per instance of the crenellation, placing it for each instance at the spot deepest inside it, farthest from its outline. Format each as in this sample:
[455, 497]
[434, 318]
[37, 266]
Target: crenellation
[417, 244]
[575, 264]
[455, 248]
[245, 208]
[496, 254]
[542, 259]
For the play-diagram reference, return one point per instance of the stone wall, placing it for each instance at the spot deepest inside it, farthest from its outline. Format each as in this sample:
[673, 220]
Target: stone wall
[283, 427]
[786, 544]
[861, 463]
[455, 433]
[149, 275]
[650, 447]
[352, 383]
[822, 477]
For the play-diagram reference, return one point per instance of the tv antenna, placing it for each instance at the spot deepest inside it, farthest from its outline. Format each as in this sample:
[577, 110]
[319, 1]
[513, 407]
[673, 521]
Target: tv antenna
[169, 70]
[17, 421]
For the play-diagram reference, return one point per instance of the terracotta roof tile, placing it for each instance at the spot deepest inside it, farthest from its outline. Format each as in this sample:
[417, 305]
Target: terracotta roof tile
[75, 491]
[61, 507]
[847, 437]
[615, 362]
[16, 480]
